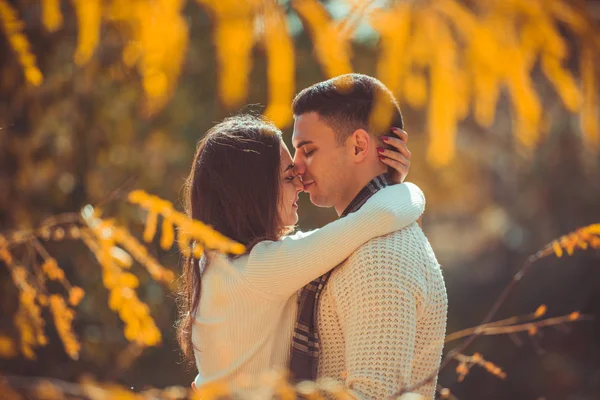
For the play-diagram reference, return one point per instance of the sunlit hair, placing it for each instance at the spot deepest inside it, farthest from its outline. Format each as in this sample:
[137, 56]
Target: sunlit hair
[345, 104]
[233, 186]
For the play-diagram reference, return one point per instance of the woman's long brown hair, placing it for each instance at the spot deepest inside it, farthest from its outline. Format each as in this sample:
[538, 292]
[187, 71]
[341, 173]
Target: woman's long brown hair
[233, 186]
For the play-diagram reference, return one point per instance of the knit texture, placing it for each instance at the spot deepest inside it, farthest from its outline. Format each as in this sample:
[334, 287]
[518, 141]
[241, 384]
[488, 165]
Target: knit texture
[382, 317]
[248, 305]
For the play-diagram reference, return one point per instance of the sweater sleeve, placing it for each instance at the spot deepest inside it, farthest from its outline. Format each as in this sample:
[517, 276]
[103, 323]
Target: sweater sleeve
[283, 267]
[378, 303]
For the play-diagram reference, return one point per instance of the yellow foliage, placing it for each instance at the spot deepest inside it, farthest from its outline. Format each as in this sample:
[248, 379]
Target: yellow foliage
[443, 114]
[163, 35]
[168, 234]
[51, 15]
[517, 31]
[109, 230]
[18, 42]
[473, 52]
[188, 229]
[157, 44]
[467, 362]
[280, 66]
[115, 248]
[330, 43]
[63, 321]
[89, 19]
[150, 229]
[574, 316]
[234, 39]
[394, 30]
[28, 318]
[581, 238]
[75, 296]
[140, 328]
[540, 311]
[52, 270]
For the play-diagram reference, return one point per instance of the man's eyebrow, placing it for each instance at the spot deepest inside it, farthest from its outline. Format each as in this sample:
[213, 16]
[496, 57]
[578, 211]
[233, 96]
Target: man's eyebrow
[291, 166]
[302, 143]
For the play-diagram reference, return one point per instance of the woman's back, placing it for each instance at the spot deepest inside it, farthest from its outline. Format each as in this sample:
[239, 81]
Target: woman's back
[239, 330]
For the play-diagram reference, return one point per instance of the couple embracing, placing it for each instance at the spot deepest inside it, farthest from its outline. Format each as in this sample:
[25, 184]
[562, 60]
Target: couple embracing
[361, 300]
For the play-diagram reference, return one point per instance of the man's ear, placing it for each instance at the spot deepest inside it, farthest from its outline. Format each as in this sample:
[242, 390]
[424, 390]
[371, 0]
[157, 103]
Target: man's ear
[361, 142]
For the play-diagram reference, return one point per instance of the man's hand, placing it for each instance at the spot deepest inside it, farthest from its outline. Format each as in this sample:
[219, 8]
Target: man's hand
[399, 158]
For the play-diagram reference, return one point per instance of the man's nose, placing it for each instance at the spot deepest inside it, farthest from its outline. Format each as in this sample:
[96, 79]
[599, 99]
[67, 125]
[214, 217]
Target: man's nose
[299, 166]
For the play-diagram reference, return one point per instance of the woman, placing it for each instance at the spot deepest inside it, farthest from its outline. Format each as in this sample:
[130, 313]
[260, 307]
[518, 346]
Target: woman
[243, 184]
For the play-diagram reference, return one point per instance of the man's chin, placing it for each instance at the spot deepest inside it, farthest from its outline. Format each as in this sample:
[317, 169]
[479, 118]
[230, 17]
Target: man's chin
[318, 201]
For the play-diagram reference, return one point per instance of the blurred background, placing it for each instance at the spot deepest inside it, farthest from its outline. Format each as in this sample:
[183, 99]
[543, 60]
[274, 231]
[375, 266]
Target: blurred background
[101, 97]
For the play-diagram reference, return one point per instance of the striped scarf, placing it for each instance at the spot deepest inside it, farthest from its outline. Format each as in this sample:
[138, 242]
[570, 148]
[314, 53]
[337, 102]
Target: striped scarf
[304, 359]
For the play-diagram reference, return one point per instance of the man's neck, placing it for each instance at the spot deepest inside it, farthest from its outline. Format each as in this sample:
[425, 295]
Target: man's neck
[357, 185]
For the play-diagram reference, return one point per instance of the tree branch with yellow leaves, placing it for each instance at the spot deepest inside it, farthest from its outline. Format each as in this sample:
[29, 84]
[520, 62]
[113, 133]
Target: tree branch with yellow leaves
[453, 57]
[115, 249]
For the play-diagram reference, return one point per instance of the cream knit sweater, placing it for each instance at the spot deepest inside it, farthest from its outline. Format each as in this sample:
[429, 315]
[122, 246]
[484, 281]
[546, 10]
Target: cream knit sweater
[248, 305]
[382, 317]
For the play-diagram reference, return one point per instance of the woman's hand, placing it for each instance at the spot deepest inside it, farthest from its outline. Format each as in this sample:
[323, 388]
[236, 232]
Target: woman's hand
[398, 159]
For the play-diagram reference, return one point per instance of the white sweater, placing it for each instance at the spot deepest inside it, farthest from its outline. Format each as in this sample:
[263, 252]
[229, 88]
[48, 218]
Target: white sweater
[382, 317]
[248, 305]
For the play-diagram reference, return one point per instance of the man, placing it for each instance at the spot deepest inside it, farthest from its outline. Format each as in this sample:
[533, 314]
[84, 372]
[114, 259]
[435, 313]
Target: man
[382, 313]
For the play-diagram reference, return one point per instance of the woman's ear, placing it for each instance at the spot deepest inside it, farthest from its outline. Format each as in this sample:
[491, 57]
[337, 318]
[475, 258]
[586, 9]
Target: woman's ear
[361, 143]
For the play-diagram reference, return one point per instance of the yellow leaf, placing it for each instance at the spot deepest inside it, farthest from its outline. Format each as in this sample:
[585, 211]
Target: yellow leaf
[442, 119]
[198, 250]
[128, 280]
[394, 29]
[331, 47]
[280, 66]
[574, 316]
[89, 15]
[75, 295]
[51, 15]
[540, 311]
[593, 229]
[415, 89]
[13, 26]
[168, 234]
[150, 229]
[557, 249]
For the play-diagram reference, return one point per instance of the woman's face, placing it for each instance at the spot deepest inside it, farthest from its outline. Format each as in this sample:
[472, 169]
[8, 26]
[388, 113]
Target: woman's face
[291, 186]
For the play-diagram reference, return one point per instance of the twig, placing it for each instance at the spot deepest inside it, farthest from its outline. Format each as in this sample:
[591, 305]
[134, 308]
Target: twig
[495, 329]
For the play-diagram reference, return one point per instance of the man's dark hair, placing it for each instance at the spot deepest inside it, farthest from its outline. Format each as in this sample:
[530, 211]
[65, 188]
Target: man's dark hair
[347, 102]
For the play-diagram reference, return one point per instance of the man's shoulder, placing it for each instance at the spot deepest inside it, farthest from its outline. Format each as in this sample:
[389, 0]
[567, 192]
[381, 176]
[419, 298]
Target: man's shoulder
[404, 251]
[410, 238]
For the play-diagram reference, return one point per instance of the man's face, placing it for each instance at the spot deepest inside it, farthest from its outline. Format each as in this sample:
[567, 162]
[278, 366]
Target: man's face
[319, 159]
